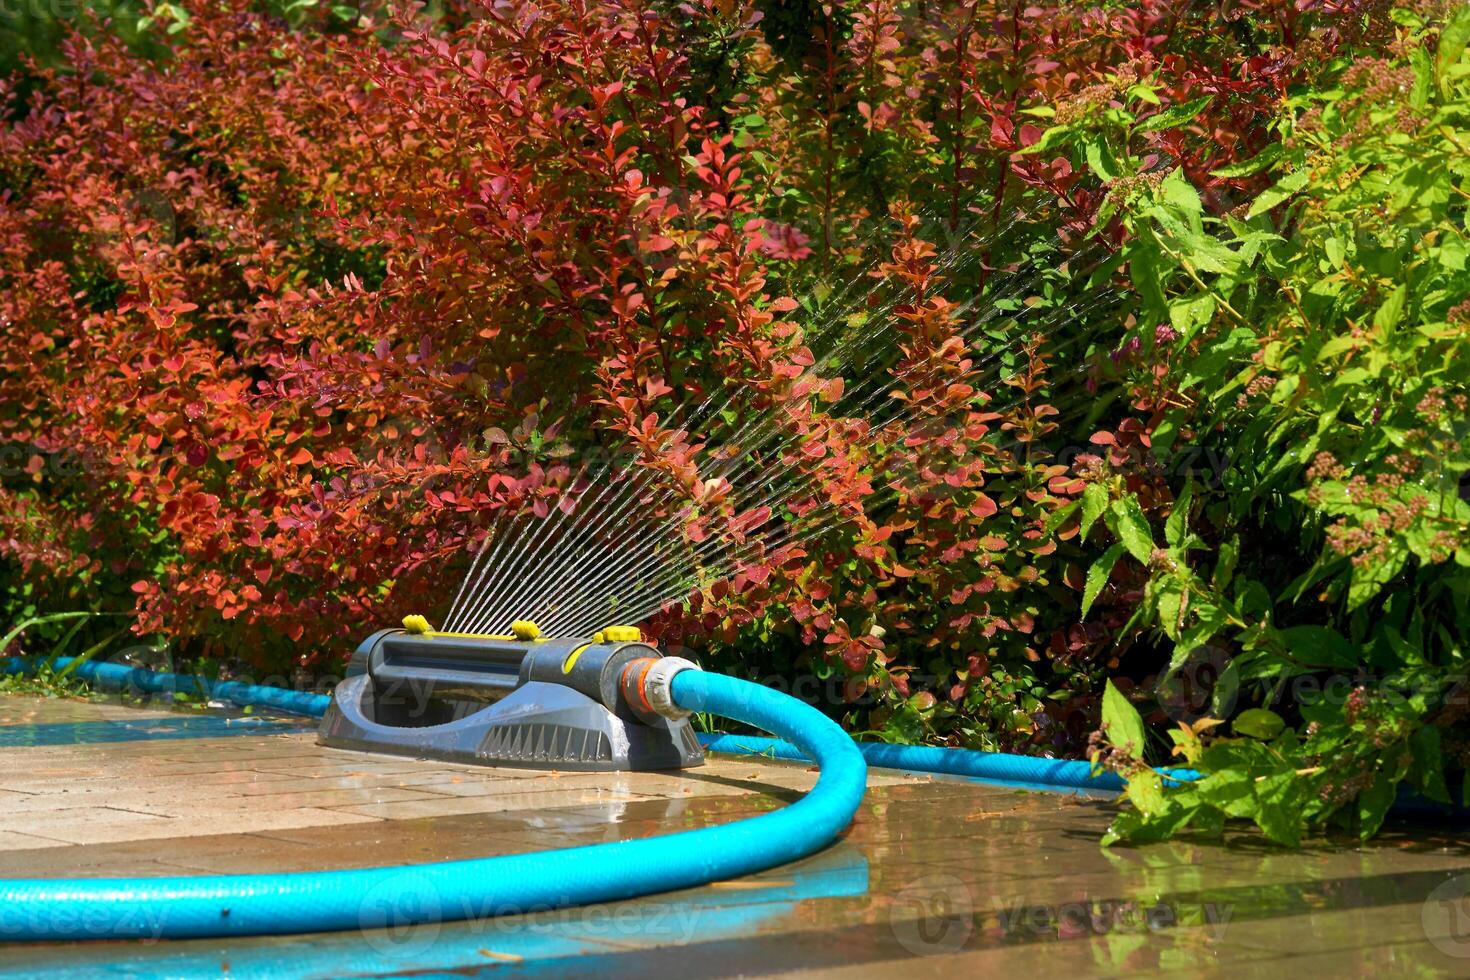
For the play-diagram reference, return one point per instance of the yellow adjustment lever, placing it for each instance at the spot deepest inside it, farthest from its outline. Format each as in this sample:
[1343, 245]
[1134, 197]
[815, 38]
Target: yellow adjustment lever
[418, 625]
[524, 629]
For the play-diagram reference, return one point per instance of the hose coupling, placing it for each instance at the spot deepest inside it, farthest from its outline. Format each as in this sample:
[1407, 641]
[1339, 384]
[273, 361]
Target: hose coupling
[648, 687]
[659, 686]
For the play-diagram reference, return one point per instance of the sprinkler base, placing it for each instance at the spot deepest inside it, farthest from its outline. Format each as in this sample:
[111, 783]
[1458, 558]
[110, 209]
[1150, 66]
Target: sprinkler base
[495, 701]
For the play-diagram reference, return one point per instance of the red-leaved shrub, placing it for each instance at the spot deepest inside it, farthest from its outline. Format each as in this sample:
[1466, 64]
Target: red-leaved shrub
[288, 315]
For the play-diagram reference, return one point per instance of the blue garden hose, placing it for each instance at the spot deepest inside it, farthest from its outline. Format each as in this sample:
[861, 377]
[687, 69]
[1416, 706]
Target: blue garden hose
[320, 901]
[119, 677]
[1000, 767]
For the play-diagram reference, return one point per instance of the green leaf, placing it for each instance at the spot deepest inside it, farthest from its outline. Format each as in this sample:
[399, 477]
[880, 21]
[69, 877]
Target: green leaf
[1164, 434]
[1145, 790]
[1423, 79]
[1099, 160]
[1201, 251]
[1338, 345]
[92, 651]
[26, 624]
[65, 641]
[1187, 314]
[1127, 825]
[1231, 790]
[1454, 39]
[1059, 517]
[1177, 190]
[1427, 771]
[1254, 165]
[1049, 139]
[1453, 253]
[1280, 191]
[1225, 565]
[1169, 598]
[1213, 364]
[1373, 804]
[1336, 251]
[1097, 576]
[1147, 273]
[1227, 689]
[1175, 115]
[1177, 813]
[1258, 723]
[1369, 579]
[1144, 93]
[1177, 524]
[1095, 501]
[1131, 526]
[1392, 310]
[1320, 646]
[1122, 723]
[1279, 802]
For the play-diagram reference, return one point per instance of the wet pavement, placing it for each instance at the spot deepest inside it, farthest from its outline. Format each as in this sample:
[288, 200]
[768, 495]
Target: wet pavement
[935, 877]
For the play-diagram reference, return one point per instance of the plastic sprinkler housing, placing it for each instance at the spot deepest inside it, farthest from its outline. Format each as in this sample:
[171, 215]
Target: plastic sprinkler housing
[520, 699]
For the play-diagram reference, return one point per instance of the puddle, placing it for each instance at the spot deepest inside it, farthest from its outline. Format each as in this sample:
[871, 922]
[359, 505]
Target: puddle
[144, 729]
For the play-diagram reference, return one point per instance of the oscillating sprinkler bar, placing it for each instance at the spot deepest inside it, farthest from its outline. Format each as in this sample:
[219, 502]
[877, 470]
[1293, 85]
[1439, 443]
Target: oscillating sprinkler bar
[519, 699]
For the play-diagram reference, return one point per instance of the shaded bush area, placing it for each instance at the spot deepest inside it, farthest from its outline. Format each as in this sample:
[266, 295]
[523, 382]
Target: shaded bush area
[289, 314]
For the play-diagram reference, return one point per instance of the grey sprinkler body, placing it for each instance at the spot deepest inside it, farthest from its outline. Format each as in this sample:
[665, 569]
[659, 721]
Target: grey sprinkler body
[520, 700]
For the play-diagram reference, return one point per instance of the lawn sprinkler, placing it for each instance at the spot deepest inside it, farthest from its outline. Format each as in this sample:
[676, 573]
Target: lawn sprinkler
[598, 703]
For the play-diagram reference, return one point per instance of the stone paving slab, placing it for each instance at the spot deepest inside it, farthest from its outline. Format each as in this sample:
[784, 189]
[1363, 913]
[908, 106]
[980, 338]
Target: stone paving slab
[157, 789]
[935, 878]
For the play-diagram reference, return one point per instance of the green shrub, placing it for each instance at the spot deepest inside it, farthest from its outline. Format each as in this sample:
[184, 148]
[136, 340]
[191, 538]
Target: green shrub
[1318, 340]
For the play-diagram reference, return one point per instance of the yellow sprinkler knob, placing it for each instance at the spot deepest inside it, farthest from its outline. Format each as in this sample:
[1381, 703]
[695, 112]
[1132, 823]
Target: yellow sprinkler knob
[525, 630]
[621, 634]
[418, 625]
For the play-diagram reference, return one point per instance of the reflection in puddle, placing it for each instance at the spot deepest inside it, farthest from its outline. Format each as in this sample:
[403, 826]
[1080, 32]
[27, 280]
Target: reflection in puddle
[141, 730]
